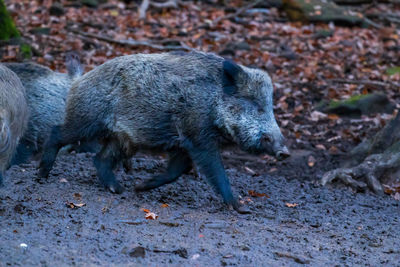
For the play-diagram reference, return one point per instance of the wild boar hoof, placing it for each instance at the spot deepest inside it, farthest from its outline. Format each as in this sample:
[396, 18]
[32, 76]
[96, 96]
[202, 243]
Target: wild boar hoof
[239, 208]
[115, 188]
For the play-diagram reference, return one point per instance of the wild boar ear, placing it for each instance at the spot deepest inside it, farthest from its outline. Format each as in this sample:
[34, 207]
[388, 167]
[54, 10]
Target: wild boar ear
[230, 74]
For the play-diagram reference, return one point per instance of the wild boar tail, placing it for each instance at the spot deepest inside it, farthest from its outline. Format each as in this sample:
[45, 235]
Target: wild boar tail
[5, 137]
[73, 64]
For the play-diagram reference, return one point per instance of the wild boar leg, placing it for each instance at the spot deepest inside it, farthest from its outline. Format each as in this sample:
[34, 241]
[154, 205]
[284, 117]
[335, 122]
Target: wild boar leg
[127, 165]
[179, 163]
[210, 164]
[23, 153]
[105, 162]
[50, 152]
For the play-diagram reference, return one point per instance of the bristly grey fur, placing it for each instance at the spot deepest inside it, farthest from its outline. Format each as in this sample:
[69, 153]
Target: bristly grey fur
[171, 102]
[46, 92]
[13, 115]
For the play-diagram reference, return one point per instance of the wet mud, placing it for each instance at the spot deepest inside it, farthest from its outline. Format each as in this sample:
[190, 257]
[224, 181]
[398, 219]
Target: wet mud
[69, 219]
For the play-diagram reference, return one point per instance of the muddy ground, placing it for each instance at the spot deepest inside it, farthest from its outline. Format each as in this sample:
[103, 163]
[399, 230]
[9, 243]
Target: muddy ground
[330, 226]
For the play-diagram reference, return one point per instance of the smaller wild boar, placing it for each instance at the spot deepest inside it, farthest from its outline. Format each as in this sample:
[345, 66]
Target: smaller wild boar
[187, 104]
[13, 116]
[46, 93]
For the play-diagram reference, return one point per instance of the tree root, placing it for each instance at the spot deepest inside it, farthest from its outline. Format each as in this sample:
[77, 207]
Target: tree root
[370, 172]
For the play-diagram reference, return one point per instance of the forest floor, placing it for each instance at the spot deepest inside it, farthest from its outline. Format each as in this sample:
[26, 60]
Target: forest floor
[70, 219]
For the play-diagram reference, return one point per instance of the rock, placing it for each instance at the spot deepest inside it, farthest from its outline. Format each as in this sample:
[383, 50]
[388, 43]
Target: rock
[319, 11]
[359, 105]
[57, 9]
[138, 252]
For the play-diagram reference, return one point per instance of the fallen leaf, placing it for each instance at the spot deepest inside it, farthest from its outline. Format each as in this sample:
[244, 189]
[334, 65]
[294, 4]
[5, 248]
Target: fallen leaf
[75, 205]
[291, 205]
[311, 161]
[256, 194]
[333, 150]
[316, 116]
[333, 117]
[164, 205]
[150, 215]
[320, 147]
[252, 172]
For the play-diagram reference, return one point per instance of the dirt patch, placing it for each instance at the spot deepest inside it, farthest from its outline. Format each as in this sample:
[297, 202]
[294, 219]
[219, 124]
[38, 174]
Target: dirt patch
[71, 220]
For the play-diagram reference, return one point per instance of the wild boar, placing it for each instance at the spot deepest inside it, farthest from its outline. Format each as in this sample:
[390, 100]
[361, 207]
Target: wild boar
[187, 104]
[46, 93]
[13, 116]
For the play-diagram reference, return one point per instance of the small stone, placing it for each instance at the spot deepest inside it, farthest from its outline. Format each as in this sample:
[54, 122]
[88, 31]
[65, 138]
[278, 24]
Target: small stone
[245, 248]
[138, 252]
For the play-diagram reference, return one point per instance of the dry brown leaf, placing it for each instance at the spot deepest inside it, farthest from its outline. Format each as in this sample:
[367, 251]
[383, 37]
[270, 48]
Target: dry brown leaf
[333, 150]
[164, 205]
[75, 205]
[311, 161]
[333, 117]
[150, 215]
[256, 194]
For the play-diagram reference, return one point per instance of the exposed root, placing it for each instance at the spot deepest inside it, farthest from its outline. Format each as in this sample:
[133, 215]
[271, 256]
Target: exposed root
[370, 172]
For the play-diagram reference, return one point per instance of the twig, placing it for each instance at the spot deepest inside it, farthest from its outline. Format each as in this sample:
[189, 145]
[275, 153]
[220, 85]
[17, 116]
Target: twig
[143, 8]
[169, 3]
[237, 13]
[297, 259]
[132, 43]
[365, 82]
[373, 24]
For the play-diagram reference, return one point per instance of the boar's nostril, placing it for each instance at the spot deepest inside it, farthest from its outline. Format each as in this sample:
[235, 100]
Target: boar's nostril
[283, 154]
